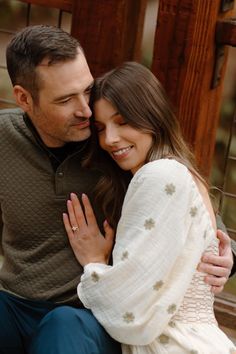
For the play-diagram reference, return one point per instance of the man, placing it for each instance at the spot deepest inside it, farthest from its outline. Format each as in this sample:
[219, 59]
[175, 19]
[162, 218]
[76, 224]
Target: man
[42, 152]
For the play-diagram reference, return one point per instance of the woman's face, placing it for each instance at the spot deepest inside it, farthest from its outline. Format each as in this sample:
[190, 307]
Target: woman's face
[125, 144]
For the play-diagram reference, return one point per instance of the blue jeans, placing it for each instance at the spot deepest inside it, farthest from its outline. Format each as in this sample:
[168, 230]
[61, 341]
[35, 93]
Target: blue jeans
[41, 327]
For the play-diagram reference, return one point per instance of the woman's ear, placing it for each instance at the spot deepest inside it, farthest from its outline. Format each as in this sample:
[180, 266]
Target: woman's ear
[23, 98]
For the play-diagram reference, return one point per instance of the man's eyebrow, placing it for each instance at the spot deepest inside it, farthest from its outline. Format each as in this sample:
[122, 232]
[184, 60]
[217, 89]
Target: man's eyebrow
[63, 97]
[89, 88]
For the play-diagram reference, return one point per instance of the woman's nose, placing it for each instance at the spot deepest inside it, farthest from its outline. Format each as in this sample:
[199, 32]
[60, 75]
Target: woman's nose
[111, 137]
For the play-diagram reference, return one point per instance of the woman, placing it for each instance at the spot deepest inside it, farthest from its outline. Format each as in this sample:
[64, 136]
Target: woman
[152, 299]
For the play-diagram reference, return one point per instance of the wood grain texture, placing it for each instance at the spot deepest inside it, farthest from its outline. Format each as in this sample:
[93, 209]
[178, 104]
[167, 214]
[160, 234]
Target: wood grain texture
[110, 31]
[226, 32]
[184, 59]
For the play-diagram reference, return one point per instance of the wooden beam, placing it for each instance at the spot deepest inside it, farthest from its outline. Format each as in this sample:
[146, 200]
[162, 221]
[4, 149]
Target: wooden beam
[226, 32]
[110, 31]
[65, 5]
[184, 60]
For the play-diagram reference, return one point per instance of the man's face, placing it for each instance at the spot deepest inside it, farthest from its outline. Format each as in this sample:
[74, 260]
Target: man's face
[62, 113]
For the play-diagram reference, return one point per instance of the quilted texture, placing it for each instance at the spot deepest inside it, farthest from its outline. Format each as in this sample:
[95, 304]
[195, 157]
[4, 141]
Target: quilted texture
[38, 262]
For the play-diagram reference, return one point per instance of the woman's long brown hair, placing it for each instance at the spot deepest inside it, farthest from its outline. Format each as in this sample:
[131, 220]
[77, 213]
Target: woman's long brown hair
[141, 100]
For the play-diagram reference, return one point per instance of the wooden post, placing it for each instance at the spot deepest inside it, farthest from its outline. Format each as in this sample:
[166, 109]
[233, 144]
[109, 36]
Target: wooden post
[184, 60]
[110, 31]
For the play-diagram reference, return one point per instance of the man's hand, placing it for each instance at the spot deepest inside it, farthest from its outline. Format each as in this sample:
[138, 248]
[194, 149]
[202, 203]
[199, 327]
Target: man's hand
[218, 268]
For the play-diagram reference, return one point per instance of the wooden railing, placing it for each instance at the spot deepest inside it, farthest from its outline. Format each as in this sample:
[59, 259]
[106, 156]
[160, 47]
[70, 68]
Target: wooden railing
[116, 25]
[185, 59]
[64, 5]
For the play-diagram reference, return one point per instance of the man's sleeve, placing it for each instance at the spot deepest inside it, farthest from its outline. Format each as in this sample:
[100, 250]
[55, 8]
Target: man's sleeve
[221, 226]
[233, 243]
[1, 227]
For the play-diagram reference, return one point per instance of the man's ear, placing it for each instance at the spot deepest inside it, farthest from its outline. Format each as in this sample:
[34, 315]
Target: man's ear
[23, 98]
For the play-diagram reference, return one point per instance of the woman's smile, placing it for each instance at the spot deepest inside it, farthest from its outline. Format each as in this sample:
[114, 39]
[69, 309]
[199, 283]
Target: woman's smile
[121, 153]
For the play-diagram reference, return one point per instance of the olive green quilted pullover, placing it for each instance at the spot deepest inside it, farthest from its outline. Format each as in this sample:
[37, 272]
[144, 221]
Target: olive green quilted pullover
[38, 261]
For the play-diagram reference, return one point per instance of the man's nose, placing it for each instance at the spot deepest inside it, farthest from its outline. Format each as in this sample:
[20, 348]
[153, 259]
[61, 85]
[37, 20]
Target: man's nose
[83, 109]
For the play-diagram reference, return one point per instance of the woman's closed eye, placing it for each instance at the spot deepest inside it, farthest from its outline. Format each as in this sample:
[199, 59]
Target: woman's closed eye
[122, 123]
[119, 120]
[101, 127]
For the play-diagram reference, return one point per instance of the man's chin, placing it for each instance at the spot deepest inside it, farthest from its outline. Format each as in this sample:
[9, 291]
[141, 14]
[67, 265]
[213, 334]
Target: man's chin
[81, 135]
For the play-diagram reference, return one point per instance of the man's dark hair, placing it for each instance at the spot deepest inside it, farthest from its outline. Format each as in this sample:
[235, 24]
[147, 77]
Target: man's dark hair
[33, 44]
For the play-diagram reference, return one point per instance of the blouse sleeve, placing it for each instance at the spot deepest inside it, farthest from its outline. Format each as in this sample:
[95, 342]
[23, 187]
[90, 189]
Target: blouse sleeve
[157, 249]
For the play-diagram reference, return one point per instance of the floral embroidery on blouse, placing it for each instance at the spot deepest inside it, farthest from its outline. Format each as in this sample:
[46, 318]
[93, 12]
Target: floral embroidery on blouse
[158, 285]
[194, 329]
[170, 189]
[193, 211]
[128, 317]
[172, 324]
[163, 339]
[95, 277]
[125, 255]
[172, 308]
[149, 224]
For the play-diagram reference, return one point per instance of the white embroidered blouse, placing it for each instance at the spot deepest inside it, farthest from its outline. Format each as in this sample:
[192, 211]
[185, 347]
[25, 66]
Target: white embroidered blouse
[153, 299]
